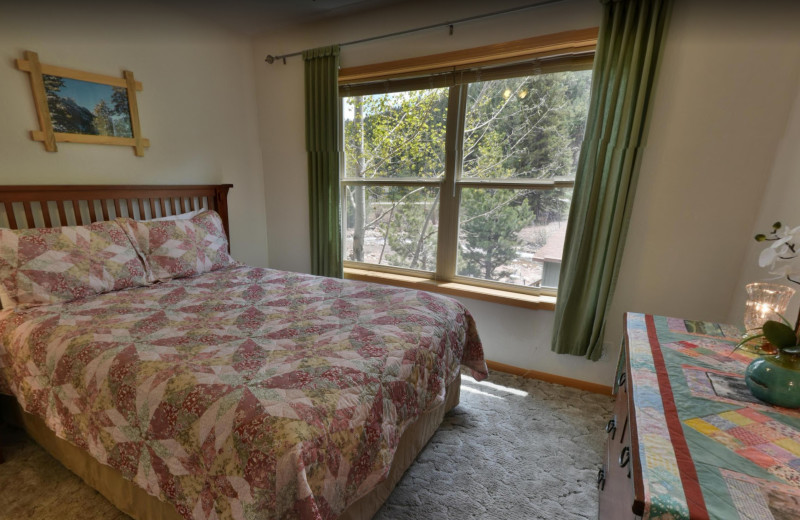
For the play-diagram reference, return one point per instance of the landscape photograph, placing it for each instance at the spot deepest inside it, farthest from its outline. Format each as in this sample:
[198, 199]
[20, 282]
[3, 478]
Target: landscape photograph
[85, 107]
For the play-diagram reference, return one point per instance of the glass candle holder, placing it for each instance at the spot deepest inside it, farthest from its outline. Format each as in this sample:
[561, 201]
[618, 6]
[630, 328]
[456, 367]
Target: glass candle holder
[765, 301]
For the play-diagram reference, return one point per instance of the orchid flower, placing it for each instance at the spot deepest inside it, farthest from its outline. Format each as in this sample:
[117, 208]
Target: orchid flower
[779, 258]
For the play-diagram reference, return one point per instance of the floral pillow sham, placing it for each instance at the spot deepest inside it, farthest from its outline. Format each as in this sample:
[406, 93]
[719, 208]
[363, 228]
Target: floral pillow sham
[178, 248]
[42, 266]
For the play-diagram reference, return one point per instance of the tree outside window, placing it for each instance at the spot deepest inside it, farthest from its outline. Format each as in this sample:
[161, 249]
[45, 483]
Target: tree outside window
[518, 139]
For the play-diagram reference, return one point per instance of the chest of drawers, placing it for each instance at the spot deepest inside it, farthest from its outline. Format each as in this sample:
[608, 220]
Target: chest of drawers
[687, 441]
[617, 479]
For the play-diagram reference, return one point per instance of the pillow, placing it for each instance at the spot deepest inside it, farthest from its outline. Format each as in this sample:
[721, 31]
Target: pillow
[55, 265]
[178, 248]
[179, 216]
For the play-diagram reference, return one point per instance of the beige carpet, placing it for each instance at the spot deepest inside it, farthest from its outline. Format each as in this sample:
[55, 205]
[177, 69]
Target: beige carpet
[33, 485]
[513, 449]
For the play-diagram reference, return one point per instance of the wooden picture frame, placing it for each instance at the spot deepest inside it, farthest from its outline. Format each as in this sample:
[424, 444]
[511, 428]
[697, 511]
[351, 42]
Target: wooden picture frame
[63, 119]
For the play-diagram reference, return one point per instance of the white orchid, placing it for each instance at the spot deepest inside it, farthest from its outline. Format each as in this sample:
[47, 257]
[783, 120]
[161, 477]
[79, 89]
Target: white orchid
[781, 257]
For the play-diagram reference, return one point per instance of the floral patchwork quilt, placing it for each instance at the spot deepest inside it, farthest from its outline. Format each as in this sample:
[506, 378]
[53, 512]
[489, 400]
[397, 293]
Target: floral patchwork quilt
[244, 392]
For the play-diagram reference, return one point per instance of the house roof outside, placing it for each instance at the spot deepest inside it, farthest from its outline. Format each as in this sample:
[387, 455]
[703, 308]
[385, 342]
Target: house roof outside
[553, 248]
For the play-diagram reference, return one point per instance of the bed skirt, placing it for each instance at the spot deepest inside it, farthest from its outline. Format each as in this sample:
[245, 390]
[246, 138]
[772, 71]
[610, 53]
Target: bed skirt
[134, 501]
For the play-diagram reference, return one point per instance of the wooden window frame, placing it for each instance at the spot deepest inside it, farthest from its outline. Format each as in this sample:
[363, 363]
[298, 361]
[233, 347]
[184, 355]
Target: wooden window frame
[571, 50]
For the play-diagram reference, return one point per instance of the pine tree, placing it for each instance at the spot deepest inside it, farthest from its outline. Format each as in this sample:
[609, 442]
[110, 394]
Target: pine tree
[120, 113]
[528, 127]
[102, 119]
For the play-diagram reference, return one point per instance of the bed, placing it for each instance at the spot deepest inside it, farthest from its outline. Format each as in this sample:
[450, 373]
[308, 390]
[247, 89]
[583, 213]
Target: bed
[182, 384]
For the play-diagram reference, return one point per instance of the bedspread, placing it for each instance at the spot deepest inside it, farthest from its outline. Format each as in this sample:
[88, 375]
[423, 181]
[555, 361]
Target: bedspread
[241, 393]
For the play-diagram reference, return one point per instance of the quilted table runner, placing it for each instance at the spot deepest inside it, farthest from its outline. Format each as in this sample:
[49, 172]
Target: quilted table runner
[708, 448]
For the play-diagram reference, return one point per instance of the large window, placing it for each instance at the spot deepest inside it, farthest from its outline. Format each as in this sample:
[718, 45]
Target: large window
[468, 183]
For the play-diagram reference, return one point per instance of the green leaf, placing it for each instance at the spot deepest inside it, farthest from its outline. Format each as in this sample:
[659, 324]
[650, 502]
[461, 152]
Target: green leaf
[779, 334]
[760, 237]
[777, 225]
[745, 340]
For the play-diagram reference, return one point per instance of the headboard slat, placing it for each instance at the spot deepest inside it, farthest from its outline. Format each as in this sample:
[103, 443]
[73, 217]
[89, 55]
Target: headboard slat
[163, 207]
[76, 210]
[104, 207]
[152, 208]
[62, 213]
[92, 211]
[46, 213]
[183, 205]
[12, 219]
[28, 214]
[141, 209]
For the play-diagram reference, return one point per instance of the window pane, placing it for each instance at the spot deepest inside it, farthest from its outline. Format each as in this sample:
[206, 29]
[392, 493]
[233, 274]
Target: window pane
[395, 135]
[392, 225]
[513, 236]
[528, 127]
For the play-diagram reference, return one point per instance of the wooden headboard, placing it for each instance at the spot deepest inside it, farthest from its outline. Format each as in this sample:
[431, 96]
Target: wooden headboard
[49, 206]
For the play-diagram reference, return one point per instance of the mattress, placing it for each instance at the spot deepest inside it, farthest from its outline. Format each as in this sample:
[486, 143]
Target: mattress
[244, 392]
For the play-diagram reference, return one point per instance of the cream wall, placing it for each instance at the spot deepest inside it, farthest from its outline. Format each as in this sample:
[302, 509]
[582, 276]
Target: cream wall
[780, 203]
[727, 81]
[726, 87]
[197, 107]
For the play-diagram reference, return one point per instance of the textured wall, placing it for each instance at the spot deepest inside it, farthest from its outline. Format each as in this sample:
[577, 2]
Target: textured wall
[197, 107]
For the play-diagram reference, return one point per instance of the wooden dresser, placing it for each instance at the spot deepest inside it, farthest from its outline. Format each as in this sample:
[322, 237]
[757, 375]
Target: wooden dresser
[616, 479]
[686, 439]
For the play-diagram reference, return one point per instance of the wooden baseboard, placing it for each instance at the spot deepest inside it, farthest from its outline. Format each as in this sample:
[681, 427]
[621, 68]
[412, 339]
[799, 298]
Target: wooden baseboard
[550, 378]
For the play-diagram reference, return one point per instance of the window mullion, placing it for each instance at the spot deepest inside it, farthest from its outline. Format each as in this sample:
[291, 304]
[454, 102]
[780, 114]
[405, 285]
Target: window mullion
[450, 193]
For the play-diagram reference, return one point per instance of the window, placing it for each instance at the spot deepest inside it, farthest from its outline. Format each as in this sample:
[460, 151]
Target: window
[470, 182]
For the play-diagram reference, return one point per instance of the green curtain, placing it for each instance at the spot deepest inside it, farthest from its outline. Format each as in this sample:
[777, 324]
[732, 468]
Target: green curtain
[322, 143]
[623, 78]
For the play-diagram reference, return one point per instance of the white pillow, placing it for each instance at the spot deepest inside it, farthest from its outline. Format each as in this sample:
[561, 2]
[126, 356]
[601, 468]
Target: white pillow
[179, 216]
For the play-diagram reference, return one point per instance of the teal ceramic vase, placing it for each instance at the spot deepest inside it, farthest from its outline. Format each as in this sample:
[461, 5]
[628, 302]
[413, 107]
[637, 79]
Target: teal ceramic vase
[775, 379]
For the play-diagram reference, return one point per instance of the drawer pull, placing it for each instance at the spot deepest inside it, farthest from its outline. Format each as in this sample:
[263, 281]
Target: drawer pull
[621, 379]
[624, 456]
[601, 479]
[611, 427]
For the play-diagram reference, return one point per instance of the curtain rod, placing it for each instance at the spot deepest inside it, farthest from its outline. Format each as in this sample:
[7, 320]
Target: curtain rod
[271, 59]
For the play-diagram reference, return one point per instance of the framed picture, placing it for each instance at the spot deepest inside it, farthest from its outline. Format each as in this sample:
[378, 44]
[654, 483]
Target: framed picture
[81, 107]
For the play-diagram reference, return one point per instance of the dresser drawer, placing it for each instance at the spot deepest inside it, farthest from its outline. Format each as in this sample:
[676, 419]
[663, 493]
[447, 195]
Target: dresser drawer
[615, 480]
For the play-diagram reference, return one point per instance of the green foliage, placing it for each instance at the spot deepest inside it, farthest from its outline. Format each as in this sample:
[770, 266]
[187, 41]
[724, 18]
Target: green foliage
[121, 111]
[119, 98]
[102, 119]
[528, 127]
[779, 334]
[411, 236]
[490, 221]
[65, 114]
[398, 135]
[401, 135]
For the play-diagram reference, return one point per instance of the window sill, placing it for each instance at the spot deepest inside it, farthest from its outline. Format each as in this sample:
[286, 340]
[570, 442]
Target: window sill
[527, 301]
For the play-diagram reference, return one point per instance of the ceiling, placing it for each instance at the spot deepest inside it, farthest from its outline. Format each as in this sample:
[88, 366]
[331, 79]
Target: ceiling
[253, 17]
